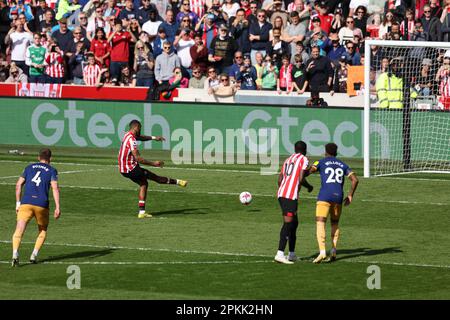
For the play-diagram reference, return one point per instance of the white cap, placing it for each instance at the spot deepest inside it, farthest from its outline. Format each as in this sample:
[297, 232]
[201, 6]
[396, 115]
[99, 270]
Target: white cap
[447, 54]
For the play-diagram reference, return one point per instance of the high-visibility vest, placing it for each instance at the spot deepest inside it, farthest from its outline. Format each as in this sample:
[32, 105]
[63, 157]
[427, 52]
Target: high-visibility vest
[390, 91]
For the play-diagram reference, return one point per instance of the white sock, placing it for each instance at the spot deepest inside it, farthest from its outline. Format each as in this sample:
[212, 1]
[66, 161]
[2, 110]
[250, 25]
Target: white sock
[280, 253]
[141, 211]
[35, 253]
[323, 253]
[333, 251]
[15, 254]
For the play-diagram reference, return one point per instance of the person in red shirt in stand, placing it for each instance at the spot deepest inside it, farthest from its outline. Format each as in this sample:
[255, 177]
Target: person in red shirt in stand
[325, 17]
[101, 48]
[120, 40]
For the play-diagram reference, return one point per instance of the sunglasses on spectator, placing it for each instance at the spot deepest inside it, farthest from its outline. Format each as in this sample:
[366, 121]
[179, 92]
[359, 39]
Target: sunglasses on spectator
[139, 48]
[196, 71]
[224, 79]
[350, 47]
[77, 33]
[82, 18]
[427, 11]
[238, 57]
[253, 7]
[447, 64]
[186, 20]
[360, 12]
[185, 4]
[166, 47]
[350, 21]
[298, 61]
[211, 71]
[261, 16]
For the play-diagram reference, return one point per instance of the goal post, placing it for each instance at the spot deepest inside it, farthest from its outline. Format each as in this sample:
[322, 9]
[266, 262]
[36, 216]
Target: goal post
[406, 113]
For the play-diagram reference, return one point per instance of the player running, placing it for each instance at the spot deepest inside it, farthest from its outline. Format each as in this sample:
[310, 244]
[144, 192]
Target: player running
[329, 201]
[291, 176]
[37, 178]
[129, 160]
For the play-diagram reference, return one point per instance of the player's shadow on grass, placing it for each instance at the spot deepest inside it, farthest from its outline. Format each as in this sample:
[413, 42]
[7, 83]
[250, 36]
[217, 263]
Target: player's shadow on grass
[81, 254]
[362, 252]
[182, 211]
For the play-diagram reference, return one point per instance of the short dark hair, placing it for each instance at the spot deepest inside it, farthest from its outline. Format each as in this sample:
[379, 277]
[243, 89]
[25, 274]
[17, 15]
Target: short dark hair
[294, 14]
[300, 147]
[45, 154]
[134, 123]
[331, 149]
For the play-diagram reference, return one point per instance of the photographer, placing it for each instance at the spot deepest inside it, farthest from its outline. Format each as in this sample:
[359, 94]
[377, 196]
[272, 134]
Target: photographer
[144, 65]
[277, 48]
[55, 64]
[199, 53]
[208, 28]
[120, 40]
[240, 31]
[247, 75]
[269, 75]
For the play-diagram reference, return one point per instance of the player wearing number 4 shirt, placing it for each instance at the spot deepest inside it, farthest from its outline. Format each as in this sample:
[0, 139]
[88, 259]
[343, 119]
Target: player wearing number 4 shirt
[37, 178]
[329, 201]
[289, 180]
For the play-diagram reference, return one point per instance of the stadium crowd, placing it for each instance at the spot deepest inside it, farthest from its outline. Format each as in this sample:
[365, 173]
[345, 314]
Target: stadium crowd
[219, 45]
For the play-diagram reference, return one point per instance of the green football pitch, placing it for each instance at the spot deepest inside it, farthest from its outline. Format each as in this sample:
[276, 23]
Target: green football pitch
[203, 244]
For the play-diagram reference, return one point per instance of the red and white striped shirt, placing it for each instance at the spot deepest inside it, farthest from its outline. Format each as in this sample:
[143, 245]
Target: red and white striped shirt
[291, 174]
[90, 74]
[127, 161]
[55, 64]
[198, 7]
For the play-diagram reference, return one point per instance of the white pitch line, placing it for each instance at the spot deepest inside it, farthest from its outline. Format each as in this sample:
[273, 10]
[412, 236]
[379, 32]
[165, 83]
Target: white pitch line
[407, 264]
[143, 262]
[237, 193]
[61, 172]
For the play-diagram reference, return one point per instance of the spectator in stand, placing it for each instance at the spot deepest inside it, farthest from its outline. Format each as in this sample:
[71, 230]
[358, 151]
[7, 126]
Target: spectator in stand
[165, 63]
[170, 25]
[208, 28]
[198, 79]
[28, 26]
[91, 71]
[16, 75]
[240, 31]
[40, 13]
[183, 44]
[176, 80]
[185, 11]
[96, 21]
[5, 24]
[436, 9]
[185, 23]
[346, 33]
[144, 65]
[105, 79]
[143, 13]
[353, 57]
[198, 7]
[63, 35]
[423, 83]
[120, 40]
[300, 49]
[407, 25]
[443, 78]
[77, 61]
[419, 34]
[395, 33]
[285, 80]
[277, 24]
[247, 75]
[224, 89]
[128, 13]
[66, 10]
[376, 55]
[101, 48]
[277, 48]
[48, 21]
[294, 32]
[77, 37]
[319, 72]
[340, 76]
[152, 24]
[259, 67]
[431, 24]
[445, 22]
[259, 35]
[159, 41]
[252, 16]
[54, 64]
[222, 50]
[111, 10]
[199, 53]
[386, 25]
[127, 77]
[269, 75]
[83, 23]
[275, 10]
[361, 19]
[236, 66]
[19, 40]
[212, 80]
[396, 7]
[299, 75]
[23, 8]
[245, 5]
[316, 30]
[230, 8]
[324, 17]
[334, 48]
[35, 60]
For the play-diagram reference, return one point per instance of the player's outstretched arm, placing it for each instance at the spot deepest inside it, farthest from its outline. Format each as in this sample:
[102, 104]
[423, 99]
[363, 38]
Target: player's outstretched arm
[55, 190]
[141, 160]
[306, 184]
[148, 138]
[354, 180]
[19, 185]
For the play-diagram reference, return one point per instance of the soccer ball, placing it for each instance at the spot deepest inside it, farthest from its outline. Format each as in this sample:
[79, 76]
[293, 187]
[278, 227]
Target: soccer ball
[245, 198]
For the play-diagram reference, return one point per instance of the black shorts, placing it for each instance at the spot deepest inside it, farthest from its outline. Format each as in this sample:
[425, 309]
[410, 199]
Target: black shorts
[288, 206]
[138, 175]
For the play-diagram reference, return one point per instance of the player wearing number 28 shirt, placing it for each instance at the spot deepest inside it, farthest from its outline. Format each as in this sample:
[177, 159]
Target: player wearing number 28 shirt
[289, 180]
[331, 195]
[37, 178]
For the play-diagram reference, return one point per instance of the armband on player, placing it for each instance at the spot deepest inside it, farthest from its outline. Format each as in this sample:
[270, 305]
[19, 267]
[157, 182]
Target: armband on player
[153, 137]
[17, 205]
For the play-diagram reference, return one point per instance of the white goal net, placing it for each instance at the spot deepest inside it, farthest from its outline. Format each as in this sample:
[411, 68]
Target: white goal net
[407, 107]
